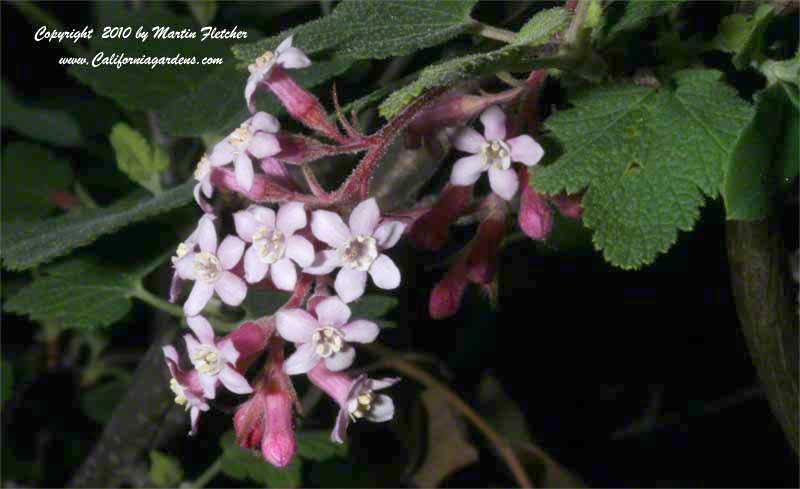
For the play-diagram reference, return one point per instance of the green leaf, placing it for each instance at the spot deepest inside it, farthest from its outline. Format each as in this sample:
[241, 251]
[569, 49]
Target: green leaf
[373, 29]
[165, 471]
[27, 244]
[317, 445]
[136, 158]
[142, 87]
[262, 302]
[372, 306]
[766, 150]
[203, 10]
[56, 127]
[241, 463]
[77, 293]
[744, 36]
[511, 58]
[647, 157]
[542, 27]
[636, 14]
[31, 174]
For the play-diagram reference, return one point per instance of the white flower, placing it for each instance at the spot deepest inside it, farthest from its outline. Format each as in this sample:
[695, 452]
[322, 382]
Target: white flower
[184, 248]
[324, 338]
[186, 387]
[285, 55]
[363, 403]
[493, 152]
[274, 243]
[254, 138]
[202, 174]
[356, 249]
[214, 360]
[209, 269]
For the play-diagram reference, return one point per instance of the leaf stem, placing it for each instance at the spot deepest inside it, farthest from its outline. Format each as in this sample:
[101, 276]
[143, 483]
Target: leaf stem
[395, 361]
[84, 197]
[148, 297]
[209, 473]
[495, 33]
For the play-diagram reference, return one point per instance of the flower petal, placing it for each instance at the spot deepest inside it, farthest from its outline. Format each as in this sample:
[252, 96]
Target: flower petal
[389, 233]
[291, 218]
[245, 224]
[184, 267]
[293, 58]
[243, 168]
[209, 384]
[262, 121]
[341, 360]
[332, 312]
[385, 273]
[494, 123]
[263, 144]
[350, 284]
[468, 140]
[228, 351]
[339, 431]
[329, 228]
[378, 384]
[382, 409]
[192, 346]
[230, 252]
[222, 154]
[364, 218]
[300, 250]
[264, 215]
[250, 89]
[324, 263]
[467, 170]
[202, 329]
[234, 381]
[283, 274]
[198, 298]
[170, 353]
[205, 206]
[254, 268]
[296, 325]
[231, 289]
[206, 235]
[525, 150]
[302, 360]
[285, 44]
[194, 416]
[360, 331]
[503, 182]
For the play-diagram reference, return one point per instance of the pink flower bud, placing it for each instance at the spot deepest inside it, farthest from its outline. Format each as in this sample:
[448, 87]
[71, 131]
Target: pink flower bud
[335, 384]
[446, 296]
[302, 104]
[432, 229]
[535, 216]
[248, 421]
[250, 339]
[569, 205]
[279, 444]
[482, 256]
[263, 190]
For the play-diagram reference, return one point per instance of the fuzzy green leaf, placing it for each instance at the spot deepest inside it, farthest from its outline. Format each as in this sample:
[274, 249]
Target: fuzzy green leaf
[744, 36]
[317, 445]
[30, 176]
[542, 27]
[511, 58]
[241, 463]
[759, 162]
[76, 294]
[636, 14]
[165, 471]
[136, 158]
[646, 157]
[27, 244]
[372, 306]
[373, 29]
[56, 127]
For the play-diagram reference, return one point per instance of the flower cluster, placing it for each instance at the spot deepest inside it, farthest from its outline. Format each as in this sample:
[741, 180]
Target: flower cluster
[287, 239]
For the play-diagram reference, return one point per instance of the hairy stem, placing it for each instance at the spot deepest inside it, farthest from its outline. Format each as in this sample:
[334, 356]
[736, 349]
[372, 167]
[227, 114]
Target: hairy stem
[495, 33]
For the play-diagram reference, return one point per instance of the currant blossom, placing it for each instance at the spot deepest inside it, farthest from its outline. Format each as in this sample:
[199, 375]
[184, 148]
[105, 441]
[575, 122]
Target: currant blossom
[255, 138]
[186, 386]
[494, 153]
[285, 55]
[274, 243]
[202, 174]
[210, 270]
[213, 359]
[356, 398]
[324, 338]
[184, 248]
[356, 249]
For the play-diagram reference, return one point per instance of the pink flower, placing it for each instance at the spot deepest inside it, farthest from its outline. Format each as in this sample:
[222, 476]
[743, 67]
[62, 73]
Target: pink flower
[183, 249]
[202, 174]
[494, 153]
[324, 338]
[214, 360]
[186, 386]
[210, 270]
[285, 55]
[356, 398]
[254, 138]
[356, 249]
[274, 243]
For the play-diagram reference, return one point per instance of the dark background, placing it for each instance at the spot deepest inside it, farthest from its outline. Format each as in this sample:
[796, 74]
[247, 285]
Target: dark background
[582, 347]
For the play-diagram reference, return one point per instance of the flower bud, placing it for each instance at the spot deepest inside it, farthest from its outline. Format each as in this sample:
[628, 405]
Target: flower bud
[446, 296]
[264, 189]
[482, 256]
[250, 340]
[431, 230]
[535, 216]
[248, 421]
[569, 205]
[279, 444]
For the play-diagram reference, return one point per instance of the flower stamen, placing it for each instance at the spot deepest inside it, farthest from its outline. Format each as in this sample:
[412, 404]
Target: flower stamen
[270, 244]
[327, 341]
[359, 252]
[207, 267]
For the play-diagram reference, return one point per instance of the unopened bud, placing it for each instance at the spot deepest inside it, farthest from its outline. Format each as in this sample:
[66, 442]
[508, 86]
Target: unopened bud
[431, 230]
[569, 205]
[535, 215]
[279, 445]
[482, 257]
[250, 340]
[446, 296]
